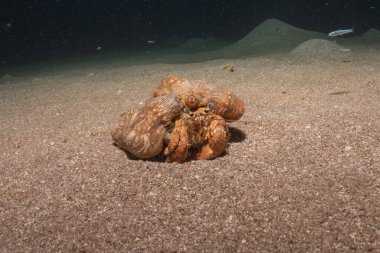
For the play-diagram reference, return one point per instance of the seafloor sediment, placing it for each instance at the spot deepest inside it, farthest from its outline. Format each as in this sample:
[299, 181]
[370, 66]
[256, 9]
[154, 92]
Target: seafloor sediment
[302, 172]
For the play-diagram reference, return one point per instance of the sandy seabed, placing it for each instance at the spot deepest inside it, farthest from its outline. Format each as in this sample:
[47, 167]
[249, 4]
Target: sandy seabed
[302, 173]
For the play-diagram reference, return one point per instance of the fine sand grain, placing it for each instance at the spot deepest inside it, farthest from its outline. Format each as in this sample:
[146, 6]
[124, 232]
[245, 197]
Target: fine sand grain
[302, 173]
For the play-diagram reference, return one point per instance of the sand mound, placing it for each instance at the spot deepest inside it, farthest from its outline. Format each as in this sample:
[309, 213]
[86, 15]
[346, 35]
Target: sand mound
[269, 38]
[318, 49]
[372, 35]
[173, 41]
[202, 44]
[192, 50]
[272, 36]
[9, 79]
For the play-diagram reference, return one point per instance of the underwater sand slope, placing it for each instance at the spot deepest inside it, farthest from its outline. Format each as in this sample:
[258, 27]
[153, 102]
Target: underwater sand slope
[301, 173]
[201, 44]
[273, 37]
[270, 37]
[320, 50]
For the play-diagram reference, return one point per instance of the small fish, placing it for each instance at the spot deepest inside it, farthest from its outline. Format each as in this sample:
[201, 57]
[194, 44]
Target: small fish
[341, 32]
[151, 41]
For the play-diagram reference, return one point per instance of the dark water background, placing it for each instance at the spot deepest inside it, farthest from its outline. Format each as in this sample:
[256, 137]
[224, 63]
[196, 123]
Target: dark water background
[31, 31]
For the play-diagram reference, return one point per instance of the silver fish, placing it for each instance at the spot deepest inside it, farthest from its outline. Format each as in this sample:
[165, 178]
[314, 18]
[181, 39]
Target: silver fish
[341, 32]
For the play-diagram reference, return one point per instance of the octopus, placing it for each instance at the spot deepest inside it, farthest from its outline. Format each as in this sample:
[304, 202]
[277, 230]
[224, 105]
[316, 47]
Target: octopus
[197, 93]
[182, 119]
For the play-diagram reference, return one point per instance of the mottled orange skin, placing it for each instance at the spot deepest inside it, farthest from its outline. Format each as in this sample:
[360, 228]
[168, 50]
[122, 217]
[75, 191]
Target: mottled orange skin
[202, 131]
[197, 93]
[226, 104]
[141, 132]
[193, 93]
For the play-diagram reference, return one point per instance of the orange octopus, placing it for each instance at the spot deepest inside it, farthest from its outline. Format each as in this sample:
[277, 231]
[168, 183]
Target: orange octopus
[184, 118]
